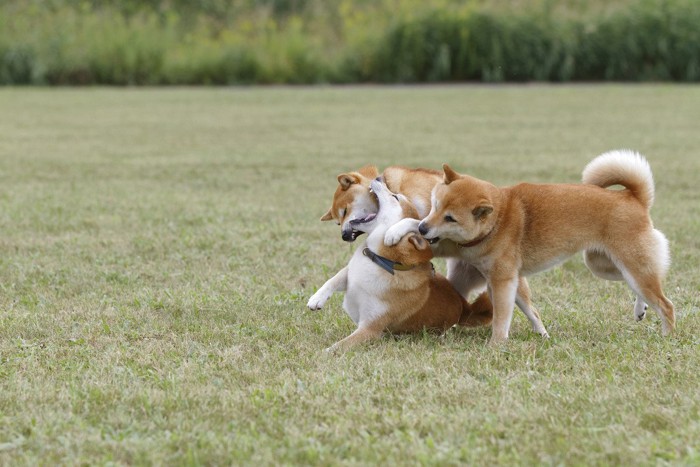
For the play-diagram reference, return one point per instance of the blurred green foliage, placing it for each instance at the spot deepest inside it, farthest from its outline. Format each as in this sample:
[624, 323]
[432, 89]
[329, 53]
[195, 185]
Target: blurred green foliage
[71, 42]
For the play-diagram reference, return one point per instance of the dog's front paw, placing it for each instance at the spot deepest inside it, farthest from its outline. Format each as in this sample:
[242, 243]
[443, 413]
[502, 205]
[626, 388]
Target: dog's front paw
[318, 299]
[392, 237]
[397, 231]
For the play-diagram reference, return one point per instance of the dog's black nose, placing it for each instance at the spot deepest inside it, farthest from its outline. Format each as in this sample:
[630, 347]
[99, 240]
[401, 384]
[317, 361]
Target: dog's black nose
[422, 229]
[379, 179]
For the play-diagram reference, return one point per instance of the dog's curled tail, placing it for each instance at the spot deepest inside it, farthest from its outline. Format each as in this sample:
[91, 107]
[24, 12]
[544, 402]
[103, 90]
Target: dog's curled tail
[622, 167]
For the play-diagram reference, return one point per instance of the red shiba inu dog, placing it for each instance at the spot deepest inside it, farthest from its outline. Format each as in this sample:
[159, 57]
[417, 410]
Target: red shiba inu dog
[508, 233]
[395, 288]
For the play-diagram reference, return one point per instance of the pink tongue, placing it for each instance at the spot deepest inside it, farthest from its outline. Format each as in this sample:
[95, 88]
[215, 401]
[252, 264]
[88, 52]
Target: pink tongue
[368, 218]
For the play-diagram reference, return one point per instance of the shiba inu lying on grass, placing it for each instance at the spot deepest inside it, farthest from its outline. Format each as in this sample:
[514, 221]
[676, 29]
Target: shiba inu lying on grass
[396, 288]
[508, 233]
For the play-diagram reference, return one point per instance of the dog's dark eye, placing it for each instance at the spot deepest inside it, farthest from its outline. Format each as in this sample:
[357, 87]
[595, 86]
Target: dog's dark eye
[395, 197]
[449, 218]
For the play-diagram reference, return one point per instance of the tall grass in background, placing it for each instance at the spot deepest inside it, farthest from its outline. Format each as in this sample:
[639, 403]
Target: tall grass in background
[399, 41]
[649, 40]
[66, 45]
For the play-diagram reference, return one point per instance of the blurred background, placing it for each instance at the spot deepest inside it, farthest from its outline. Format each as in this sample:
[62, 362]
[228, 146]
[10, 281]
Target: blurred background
[222, 42]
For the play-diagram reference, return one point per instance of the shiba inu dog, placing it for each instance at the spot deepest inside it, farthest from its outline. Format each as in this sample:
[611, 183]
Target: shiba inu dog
[354, 206]
[508, 233]
[395, 288]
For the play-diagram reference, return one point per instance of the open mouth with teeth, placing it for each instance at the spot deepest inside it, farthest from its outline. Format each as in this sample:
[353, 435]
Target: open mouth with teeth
[433, 240]
[356, 225]
[352, 236]
[363, 220]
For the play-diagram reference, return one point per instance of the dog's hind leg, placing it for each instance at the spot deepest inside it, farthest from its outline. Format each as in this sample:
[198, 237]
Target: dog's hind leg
[601, 265]
[364, 333]
[640, 308]
[648, 286]
[522, 299]
[643, 267]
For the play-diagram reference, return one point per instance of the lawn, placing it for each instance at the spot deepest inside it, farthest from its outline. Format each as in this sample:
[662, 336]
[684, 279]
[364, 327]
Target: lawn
[158, 247]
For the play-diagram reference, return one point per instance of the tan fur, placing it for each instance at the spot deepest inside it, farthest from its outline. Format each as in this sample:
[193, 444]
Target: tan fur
[527, 228]
[415, 184]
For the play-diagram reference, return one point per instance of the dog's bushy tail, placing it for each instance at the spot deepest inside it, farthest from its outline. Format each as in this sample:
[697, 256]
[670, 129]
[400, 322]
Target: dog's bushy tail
[622, 167]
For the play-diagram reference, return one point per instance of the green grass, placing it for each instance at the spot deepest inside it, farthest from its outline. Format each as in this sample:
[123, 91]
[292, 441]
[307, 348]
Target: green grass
[158, 248]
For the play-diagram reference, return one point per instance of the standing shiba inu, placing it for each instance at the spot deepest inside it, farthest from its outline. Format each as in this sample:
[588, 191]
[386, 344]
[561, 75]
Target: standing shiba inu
[395, 288]
[507, 233]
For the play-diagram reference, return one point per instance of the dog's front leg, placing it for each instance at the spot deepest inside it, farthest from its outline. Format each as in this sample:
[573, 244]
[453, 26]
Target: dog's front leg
[397, 231]
[337, 283]
[503, 291]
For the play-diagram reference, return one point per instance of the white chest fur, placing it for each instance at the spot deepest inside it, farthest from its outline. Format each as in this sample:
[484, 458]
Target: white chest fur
[367, 283]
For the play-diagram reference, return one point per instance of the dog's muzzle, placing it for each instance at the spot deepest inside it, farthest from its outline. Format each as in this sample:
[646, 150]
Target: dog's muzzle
[423, 230]
[351, 235]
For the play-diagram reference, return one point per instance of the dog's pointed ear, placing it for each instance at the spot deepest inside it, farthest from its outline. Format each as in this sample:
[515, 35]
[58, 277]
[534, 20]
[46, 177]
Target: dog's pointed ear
[482, 211]
[347, 180]
[418, 242]
[327, 216]
[450, 175]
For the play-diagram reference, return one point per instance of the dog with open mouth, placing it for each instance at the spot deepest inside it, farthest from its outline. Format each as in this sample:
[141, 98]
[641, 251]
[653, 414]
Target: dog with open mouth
[395, 288]
[511, 232]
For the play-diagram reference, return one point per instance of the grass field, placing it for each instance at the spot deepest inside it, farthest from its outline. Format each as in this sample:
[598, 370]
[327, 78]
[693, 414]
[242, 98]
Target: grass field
[158, 248]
